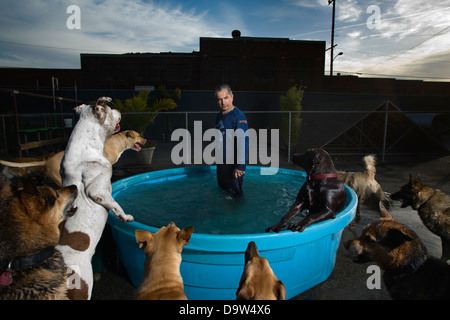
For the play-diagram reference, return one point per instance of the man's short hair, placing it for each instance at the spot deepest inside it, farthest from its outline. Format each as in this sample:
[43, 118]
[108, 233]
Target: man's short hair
[223, 86]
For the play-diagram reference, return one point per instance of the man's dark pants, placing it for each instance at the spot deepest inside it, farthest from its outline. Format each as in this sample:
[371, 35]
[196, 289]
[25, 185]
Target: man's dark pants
[227, 181]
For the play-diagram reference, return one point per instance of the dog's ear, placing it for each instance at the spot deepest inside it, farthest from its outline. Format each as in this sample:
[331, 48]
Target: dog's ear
[129, 134]
[186, 234]
[103, 101]
[280, 290]
[414, 179]
[80, 108]
[143, 238]
[29, 187]
[383, 212]
[394, 238]
[245, 293]
[100, 112]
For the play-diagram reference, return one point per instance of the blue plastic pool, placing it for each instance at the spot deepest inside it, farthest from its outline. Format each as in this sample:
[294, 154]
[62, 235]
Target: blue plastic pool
[213, 261]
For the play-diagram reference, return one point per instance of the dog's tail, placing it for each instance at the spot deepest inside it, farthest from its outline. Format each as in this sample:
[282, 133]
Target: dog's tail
[370, 163]
[23, 164]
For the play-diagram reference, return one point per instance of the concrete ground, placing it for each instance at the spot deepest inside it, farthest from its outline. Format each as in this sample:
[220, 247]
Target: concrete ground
[348, 280]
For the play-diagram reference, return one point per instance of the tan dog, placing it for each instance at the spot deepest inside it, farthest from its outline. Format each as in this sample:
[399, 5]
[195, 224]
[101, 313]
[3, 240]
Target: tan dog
[20, 168]
[30, 266]
[258, 282]
[162, 278]
[50, 166]
[364, 184]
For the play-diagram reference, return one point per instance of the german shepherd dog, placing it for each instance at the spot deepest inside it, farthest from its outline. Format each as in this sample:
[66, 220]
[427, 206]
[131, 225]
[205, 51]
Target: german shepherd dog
[365, 186]
[408, 272]
[30, 266]
[433, 207]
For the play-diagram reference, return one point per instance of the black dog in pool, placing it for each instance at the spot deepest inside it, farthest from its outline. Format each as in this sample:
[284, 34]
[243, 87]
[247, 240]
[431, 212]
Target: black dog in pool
[322, 193]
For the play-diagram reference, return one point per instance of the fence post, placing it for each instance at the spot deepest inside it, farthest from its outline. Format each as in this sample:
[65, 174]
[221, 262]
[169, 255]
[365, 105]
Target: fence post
[386, 114]
[5, 138]
[16, 117]
[289, 139]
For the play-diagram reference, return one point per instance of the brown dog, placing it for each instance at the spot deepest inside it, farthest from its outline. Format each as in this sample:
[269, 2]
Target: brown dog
[50, 165]
[364, 184]
[322, 193]
[258, 282]
[409, 273]
[433, 207]
[162, 278]
[30, 266]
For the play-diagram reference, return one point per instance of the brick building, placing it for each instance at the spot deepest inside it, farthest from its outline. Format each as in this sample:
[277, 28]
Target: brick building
[246, 63]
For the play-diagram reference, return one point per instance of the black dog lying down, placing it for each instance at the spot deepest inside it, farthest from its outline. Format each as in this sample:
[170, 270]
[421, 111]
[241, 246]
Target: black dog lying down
[322, 194]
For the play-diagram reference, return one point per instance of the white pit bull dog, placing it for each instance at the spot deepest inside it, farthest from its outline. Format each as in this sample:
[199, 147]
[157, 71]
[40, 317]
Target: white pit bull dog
[85, 166]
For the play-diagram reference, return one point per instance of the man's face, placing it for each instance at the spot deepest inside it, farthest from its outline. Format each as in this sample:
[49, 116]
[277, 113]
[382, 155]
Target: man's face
[224, 101]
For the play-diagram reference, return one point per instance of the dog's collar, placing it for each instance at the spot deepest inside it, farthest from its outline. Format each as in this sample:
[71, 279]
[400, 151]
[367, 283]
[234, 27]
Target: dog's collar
[322, 176]
[408, 269]
[28, 261]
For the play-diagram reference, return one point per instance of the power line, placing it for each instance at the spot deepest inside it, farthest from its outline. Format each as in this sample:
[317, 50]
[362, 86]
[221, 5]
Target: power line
[365, 23]
[404, 51]
[391, 75]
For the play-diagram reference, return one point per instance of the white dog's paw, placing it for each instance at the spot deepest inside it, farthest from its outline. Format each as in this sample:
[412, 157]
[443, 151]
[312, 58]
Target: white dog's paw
[125, 217]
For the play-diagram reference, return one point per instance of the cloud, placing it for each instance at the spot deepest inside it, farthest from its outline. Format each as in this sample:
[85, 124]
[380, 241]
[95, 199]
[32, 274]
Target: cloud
[409, 34]
[113, 26]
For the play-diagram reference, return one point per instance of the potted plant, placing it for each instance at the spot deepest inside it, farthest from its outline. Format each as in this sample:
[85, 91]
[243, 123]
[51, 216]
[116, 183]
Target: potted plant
[140, 111]
[145, 156]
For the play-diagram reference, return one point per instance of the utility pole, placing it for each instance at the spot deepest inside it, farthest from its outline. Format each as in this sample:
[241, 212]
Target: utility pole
[332, 36]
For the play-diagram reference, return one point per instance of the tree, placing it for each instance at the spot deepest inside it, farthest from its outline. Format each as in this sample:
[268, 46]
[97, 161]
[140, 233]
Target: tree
[292, 101]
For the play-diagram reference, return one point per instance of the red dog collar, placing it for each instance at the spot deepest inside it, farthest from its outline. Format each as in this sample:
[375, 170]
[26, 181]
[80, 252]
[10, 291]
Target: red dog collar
[322, 176]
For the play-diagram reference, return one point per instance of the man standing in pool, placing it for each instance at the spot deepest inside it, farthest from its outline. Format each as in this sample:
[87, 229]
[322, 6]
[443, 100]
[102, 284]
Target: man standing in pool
[230, 174]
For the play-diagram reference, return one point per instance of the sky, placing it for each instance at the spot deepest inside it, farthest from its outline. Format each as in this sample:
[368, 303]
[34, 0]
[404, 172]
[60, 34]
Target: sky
[407, 39]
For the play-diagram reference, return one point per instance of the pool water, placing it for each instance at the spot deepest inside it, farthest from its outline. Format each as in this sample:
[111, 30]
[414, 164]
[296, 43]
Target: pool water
[213, 261]
[196, 199]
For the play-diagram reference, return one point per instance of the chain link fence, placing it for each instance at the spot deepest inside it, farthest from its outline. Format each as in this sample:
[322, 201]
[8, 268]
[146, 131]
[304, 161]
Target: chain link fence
[383, 131]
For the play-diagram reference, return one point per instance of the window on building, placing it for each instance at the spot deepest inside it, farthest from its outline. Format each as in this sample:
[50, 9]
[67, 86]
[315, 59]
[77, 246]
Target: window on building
[225, 70]
[263, 70]
[114, 72]
[148, 73]
[178, 73]
[301, 71]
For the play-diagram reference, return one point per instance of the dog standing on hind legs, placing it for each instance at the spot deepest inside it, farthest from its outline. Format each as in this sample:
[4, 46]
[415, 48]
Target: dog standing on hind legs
[85, 166]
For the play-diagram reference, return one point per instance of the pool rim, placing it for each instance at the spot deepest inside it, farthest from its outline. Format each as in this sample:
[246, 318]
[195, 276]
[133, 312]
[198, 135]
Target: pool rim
[239, 242]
